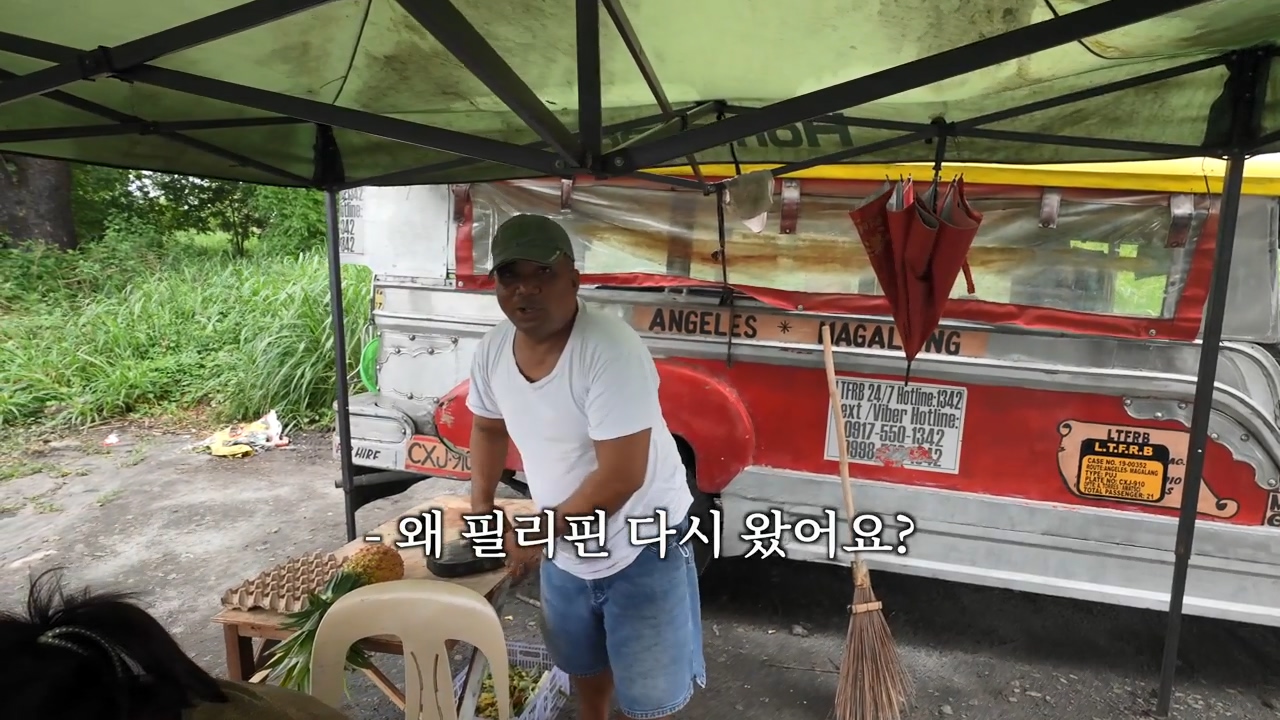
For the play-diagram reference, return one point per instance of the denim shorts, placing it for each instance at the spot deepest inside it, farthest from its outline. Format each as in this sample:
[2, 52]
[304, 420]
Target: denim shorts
[644, 623]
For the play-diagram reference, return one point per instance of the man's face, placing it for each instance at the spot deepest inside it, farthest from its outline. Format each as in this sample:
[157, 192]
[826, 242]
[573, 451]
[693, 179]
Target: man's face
[538, 299]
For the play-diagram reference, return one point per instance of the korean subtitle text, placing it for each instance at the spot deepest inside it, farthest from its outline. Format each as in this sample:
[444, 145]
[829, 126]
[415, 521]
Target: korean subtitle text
[583, 529]
[486, 531]
[532, 530]
[765, 534]
[709, 536]
[425, 529]
[766, 529]
[663, 530]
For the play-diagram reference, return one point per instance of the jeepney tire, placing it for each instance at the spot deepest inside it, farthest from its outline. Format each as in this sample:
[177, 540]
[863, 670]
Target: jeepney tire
[509, 479]
[703, 508]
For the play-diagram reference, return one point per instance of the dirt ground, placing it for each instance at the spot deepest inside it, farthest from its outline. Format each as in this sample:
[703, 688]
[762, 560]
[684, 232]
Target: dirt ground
[179, 528]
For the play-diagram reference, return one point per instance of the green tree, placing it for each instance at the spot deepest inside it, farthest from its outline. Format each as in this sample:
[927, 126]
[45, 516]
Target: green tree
[103, 196]
[190, 203]
[293, 219]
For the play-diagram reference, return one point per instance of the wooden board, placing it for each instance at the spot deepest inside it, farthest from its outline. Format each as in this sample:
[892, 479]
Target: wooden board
[267, 623]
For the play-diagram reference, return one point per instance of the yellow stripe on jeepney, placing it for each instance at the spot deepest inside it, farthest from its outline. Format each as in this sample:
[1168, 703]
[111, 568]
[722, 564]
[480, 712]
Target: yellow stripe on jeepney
[1184, 175]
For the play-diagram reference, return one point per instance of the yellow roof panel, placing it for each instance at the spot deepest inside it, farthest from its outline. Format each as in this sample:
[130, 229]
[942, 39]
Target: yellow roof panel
[1184, 175]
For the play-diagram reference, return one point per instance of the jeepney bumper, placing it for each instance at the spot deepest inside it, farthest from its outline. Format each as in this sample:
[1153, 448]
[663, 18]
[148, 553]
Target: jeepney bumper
[384, 437]
[1098, 555]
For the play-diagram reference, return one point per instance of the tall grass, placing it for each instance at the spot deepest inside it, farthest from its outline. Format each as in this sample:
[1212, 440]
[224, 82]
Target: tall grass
[142, 326]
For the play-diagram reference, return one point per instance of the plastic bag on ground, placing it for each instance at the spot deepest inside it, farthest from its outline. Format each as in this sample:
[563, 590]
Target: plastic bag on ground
[241, 440]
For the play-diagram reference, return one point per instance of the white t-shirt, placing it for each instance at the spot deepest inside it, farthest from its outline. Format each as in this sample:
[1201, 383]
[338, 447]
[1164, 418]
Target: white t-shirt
[604, 386]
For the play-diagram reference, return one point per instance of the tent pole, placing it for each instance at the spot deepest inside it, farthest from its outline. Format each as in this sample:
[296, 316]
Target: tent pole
[340, 360]
[1236, 118]
[330, 174]
[1202, 409]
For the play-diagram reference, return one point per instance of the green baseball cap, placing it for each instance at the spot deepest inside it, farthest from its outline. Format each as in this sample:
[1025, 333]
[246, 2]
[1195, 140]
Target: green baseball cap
[536, 238]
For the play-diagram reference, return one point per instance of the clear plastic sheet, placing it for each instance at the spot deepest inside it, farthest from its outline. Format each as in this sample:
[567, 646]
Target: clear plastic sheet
[1107, 254]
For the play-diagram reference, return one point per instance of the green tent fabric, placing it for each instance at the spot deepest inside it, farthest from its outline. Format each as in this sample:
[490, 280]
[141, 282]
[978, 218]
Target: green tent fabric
[372, 56]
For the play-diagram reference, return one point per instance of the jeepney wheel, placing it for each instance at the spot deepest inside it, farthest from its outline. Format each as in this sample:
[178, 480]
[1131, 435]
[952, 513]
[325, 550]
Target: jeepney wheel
[509, 479]
[704, 509]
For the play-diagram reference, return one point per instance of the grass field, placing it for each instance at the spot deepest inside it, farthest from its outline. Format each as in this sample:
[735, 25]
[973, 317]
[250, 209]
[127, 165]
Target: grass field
[126, 328]
[141, 327]
[132, 328]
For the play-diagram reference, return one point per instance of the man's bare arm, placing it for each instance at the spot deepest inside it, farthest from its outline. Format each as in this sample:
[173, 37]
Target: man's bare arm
[621, 464]
[489, 441]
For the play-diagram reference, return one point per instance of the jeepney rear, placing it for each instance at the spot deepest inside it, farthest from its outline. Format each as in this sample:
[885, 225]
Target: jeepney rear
[1038, 445]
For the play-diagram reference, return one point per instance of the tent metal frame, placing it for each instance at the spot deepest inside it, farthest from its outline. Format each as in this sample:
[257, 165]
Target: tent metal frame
[1233, 131]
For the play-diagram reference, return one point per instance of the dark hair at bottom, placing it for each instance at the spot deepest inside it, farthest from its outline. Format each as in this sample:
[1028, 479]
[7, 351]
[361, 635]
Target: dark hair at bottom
[73, 673]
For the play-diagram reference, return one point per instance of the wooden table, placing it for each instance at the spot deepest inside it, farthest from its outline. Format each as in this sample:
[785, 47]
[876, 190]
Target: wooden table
[240, 628]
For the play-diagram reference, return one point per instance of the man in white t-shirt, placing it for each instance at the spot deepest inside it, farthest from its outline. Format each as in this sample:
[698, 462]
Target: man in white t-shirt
[576, 391]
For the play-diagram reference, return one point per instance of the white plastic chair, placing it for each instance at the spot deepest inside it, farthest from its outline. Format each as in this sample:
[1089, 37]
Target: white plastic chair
[422, 614]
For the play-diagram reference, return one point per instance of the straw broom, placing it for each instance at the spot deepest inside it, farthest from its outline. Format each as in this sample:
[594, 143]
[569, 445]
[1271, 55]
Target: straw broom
[873, 684]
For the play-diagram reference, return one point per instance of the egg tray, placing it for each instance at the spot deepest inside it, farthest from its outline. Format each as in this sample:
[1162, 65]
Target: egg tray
[285, 587]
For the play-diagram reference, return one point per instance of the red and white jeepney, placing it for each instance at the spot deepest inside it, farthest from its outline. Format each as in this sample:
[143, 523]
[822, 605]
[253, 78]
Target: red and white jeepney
[1040, 441]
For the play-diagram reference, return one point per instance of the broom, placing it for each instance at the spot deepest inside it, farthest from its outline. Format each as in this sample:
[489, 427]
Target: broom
[873, 684]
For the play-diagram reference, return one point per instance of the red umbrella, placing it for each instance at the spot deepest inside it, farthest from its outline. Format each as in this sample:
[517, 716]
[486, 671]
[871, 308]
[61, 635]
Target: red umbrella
[917, 251]
[881, 222]
[958, 227]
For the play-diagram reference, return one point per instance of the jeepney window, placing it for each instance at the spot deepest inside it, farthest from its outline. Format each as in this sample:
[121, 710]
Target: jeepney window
[1106, 253]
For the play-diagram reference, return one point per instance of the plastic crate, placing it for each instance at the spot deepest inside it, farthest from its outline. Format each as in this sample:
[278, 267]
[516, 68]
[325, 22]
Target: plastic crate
[549, 700]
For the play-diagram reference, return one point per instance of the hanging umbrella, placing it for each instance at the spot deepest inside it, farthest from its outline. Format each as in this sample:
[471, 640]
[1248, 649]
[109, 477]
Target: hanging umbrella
[958, 226]
[917, 249]
[881, 223]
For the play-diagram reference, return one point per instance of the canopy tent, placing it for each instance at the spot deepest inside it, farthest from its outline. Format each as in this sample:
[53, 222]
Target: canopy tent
[424, 91]
[340, 93]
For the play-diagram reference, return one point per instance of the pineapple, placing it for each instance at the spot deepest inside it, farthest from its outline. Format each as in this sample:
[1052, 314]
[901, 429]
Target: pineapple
[290, 661]
[376, 563]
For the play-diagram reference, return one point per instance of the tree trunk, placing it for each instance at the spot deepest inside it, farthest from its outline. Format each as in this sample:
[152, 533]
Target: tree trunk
[35, 202]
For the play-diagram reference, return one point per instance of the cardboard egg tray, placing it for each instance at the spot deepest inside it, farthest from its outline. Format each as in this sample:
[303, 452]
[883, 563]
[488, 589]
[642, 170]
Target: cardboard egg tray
[285, 587]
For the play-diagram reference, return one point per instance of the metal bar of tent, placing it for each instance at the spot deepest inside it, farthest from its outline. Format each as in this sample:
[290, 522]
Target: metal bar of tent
[1095, 91]
[91, 64]
[927, 132]
[411, 133]
[622, 23]
[672, 180]
[1153, 148]
[985, 53]
[457, 35]
[1242, 102]
[1268, 139]
[627, 31]
[494, 151]
[39, 82]
[1088, 93]
[923, 132]
[329, 174]
[675, 124]
[421, 175]
[310, 111]
[78, 132]
[857, 151]
[1006, 114]
[208, 148]
[590, 99]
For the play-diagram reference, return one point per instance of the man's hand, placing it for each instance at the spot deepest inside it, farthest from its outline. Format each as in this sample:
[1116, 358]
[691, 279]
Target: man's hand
[520, 558]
